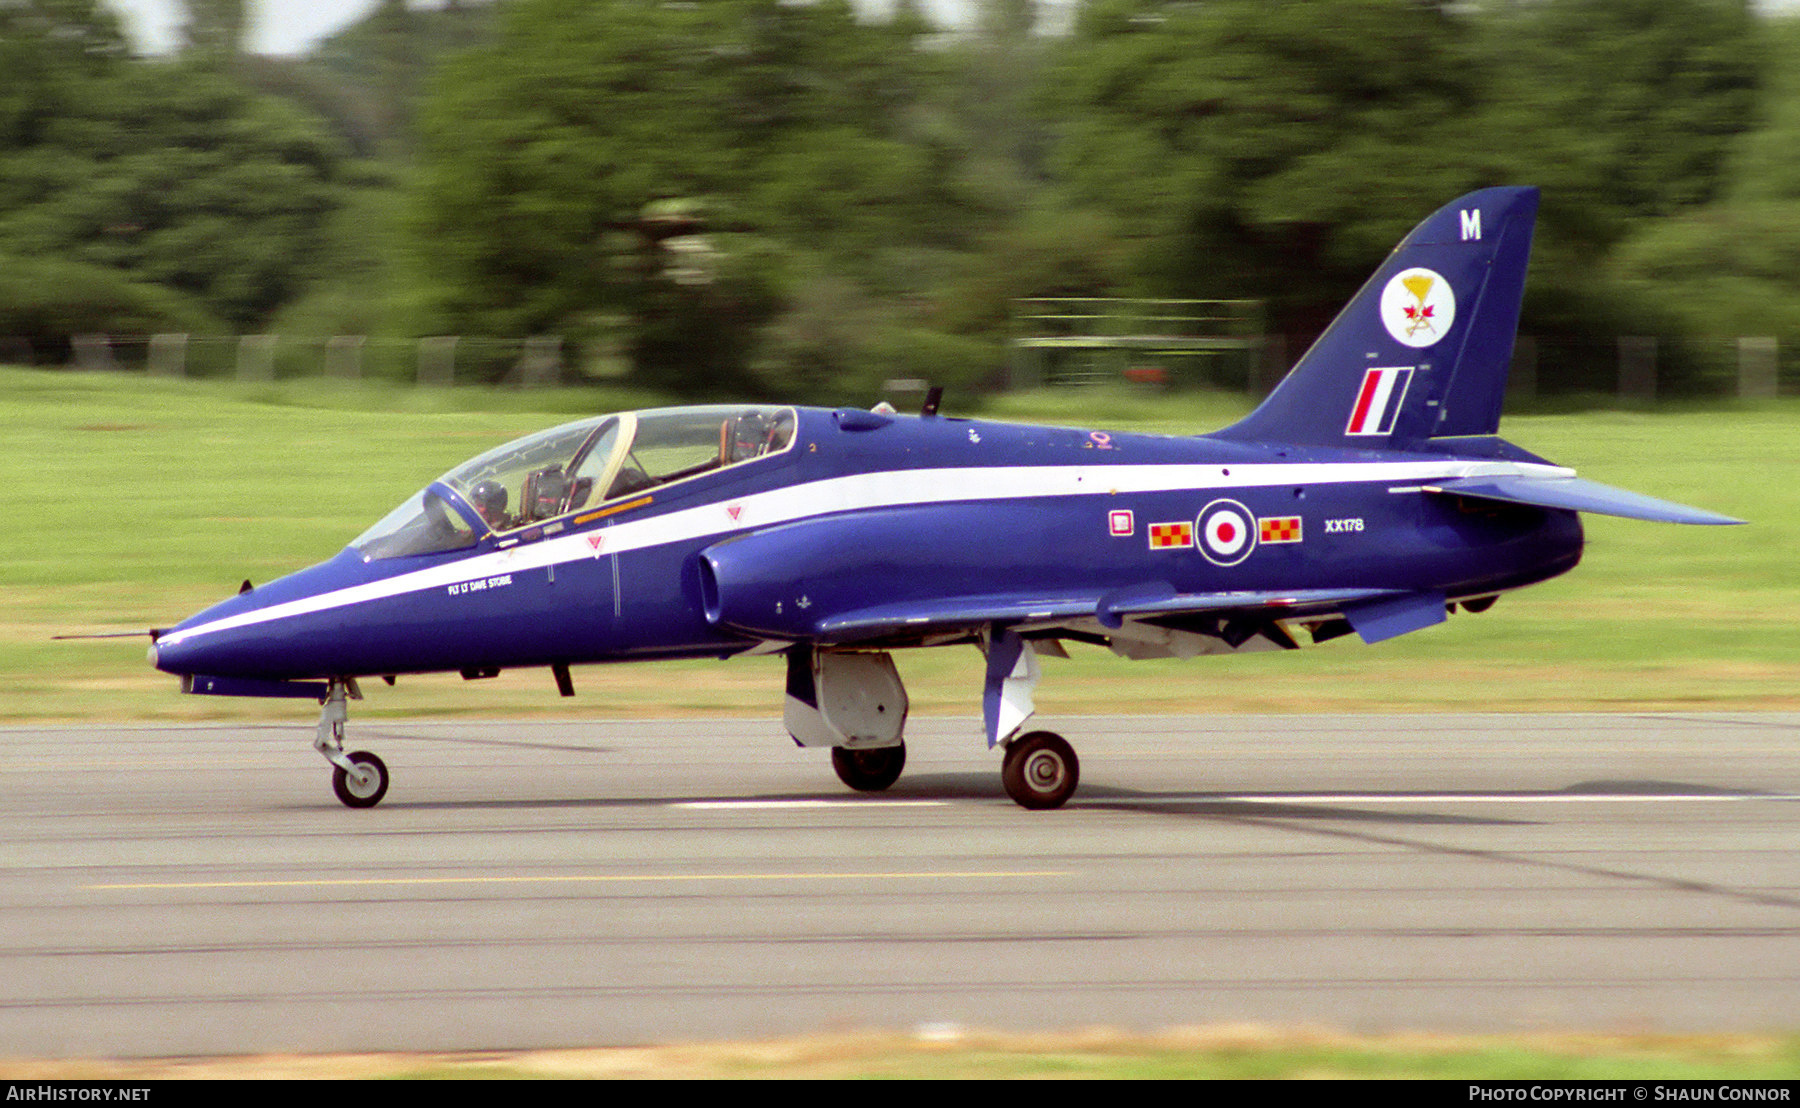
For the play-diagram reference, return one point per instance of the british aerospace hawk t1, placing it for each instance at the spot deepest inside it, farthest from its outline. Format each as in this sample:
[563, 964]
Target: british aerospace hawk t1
[1368, 495]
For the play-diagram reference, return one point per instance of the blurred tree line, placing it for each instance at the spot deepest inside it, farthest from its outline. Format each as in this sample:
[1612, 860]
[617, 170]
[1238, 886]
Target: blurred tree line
[808, 198]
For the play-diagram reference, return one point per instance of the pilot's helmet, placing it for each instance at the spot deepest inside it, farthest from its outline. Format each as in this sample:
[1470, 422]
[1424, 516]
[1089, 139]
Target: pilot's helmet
[489, 498]
[750, 434]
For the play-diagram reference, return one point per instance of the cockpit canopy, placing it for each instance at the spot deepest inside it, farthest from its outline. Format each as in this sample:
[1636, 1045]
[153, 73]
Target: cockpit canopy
[573, 467]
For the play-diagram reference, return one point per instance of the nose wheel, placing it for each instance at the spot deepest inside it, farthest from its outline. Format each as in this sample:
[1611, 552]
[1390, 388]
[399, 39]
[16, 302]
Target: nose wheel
[1040, 770]
[363, 788]
[359, 778]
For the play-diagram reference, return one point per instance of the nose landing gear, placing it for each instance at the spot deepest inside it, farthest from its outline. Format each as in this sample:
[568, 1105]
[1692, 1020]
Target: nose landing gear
[363, 787]
[359, 778]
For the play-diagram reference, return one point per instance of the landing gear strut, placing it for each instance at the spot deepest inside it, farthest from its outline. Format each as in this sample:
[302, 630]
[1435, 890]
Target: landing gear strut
[359, 778]
[1040, 769]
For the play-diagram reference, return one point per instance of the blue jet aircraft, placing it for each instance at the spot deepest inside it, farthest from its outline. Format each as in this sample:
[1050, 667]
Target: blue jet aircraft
[1367, 495]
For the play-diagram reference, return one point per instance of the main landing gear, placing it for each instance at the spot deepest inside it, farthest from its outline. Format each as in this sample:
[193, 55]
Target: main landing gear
[359, 778]
[869, 771]
[1040, 770]
[854, 702]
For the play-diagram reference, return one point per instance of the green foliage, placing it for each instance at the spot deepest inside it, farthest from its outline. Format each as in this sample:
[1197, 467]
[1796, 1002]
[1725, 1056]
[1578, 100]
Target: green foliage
[1266, 150]
[372, 287]
[1725, 270]
[170, 174]
[51, 52]
[544, 153]
[1732, 267]
[1230, 1052]
[1275, 150]
[216, 28]
[1624, 108]
[1043, 252]
[697, 318]
[43, 302]
[1763, 166]
[837, 344]
[368, 79]
[863, 199]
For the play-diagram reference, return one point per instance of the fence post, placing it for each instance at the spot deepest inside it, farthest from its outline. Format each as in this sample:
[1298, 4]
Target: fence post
[93, 353]
[256, 358]
[437, 361]
[343, 356]
[1759, 365]
[541, 363]
[1637, 367]
[168, 355]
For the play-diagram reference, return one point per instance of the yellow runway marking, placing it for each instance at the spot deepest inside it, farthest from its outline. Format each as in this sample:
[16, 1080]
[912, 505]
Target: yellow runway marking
[602, 878]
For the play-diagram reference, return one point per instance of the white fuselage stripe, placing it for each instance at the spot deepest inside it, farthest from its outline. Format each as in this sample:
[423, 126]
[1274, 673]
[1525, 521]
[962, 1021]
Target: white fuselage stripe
[863, 492]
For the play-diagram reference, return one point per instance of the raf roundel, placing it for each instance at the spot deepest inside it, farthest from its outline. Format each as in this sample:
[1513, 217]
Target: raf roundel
[1417, 307]
[1227, 532]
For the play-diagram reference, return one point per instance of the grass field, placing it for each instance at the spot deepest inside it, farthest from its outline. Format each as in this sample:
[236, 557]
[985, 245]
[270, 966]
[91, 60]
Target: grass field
[1228, 1053]
[140, 501]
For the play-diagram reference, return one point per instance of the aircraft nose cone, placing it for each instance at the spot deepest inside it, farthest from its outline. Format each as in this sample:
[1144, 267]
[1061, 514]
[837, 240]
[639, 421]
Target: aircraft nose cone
[177, 656]
[196, 648]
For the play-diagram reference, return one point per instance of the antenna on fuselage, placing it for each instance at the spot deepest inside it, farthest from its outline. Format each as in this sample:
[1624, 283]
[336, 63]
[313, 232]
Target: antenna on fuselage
[932, 396]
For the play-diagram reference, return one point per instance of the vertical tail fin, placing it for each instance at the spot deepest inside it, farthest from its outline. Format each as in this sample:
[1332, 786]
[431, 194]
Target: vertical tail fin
[1423, 349]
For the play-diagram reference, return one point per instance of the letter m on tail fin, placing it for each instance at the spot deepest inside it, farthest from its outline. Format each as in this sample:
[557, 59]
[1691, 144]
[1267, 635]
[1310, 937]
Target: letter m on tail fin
[1422, 351]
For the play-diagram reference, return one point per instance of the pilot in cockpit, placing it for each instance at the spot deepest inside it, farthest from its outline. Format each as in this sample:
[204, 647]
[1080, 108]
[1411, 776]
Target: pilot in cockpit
[489, 498]
[751, 435]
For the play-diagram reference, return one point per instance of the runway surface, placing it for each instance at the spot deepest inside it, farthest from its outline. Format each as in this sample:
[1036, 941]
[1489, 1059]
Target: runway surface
[198, 890]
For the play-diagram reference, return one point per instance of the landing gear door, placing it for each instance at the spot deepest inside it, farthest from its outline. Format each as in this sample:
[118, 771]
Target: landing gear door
[844, 699]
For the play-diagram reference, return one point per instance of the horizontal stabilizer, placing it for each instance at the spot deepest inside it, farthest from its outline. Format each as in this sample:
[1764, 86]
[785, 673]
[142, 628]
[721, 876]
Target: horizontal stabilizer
[1577, 495]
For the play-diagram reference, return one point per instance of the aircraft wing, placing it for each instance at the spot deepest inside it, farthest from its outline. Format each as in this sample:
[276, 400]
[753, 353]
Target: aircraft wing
[950, 614]
[1110, 610]
[1576, 495]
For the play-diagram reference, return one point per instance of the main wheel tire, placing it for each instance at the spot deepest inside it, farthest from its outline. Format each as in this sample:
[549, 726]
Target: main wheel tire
[1040, 770]
[871, 770]
[356, 794]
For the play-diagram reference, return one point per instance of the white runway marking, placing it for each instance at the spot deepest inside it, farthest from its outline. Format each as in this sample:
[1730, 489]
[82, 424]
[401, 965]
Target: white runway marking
[1462, 798]
[577, 878]
[847, 802]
